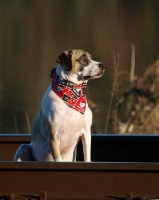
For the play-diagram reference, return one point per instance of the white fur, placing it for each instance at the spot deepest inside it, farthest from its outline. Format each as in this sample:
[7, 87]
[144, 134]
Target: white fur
[71, 125]
[68, 125]
[92, 69]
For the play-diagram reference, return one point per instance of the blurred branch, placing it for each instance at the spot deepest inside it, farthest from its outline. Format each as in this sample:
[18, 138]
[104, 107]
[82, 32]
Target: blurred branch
[28, 122]
[114, 86]
[132, 69]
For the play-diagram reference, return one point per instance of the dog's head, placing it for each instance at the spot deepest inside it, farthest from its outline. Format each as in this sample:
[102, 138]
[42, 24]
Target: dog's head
[78, 65]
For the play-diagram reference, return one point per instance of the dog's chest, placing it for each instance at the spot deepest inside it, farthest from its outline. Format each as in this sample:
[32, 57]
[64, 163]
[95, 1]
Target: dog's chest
[69, 121]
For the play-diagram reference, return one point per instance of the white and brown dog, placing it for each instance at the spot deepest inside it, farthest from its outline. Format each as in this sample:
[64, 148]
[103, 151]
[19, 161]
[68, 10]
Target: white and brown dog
[64, 117]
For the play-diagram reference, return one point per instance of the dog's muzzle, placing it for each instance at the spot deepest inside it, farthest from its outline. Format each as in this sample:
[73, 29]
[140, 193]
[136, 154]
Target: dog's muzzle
[101, 72]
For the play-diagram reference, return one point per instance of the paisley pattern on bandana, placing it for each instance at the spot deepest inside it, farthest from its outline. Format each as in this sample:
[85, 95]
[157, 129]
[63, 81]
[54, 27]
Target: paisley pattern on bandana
[71, 93]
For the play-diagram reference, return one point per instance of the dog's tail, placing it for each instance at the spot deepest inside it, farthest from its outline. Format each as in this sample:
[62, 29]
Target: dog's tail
[24, 153]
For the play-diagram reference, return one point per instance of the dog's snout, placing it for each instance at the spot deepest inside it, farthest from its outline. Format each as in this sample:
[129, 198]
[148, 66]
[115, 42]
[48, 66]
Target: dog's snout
[101, 65]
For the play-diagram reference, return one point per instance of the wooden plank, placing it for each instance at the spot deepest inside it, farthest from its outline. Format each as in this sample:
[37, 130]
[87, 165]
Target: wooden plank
[80, 180]
[117, 179]
[105, 148]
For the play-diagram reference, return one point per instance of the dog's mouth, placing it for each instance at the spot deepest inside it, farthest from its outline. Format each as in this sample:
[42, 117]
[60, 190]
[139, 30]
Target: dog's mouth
[87, 77]
[95, 76]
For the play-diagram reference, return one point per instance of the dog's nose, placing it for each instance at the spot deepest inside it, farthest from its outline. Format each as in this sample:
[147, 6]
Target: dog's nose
[101, 65]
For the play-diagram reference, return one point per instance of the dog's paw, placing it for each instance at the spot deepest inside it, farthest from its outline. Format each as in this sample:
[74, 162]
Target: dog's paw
[59, 159]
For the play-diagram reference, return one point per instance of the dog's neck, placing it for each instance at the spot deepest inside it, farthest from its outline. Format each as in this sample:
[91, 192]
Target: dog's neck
[73, 94]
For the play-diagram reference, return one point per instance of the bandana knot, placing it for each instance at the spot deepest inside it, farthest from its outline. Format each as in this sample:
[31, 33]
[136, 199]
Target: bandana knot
[73, 94]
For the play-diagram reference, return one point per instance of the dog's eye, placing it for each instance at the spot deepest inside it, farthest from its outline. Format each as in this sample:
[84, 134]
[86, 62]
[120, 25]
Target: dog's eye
[81, 59]
[84, 58]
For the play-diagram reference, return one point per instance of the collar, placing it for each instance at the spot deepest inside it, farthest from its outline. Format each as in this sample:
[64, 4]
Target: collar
[73, 94]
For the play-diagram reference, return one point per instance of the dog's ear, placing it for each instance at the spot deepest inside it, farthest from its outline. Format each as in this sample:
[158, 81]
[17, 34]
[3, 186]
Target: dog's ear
[64, 59]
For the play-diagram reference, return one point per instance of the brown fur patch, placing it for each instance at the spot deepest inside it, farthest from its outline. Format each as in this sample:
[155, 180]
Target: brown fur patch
[74, 60]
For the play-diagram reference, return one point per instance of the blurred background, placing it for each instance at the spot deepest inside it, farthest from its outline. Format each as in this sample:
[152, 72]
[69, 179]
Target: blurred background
[34, 32]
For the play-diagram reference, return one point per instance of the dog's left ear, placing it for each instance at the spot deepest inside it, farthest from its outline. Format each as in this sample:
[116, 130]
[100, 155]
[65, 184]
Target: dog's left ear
[64, 59]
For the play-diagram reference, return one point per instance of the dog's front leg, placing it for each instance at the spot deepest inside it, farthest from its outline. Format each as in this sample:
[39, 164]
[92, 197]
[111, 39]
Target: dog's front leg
[86, 142]
[54, 141]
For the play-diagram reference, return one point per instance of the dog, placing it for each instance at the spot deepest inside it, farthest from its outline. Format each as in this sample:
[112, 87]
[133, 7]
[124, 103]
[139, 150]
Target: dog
[64, 118]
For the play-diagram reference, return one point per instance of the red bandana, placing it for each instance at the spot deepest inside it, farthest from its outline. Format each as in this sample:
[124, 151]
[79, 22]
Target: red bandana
[71, 93]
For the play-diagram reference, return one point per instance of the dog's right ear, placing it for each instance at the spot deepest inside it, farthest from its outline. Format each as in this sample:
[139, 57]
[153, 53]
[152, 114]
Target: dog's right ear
[64, 59]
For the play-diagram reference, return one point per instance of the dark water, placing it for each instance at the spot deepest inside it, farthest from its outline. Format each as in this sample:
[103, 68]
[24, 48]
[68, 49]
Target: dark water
[33, 33]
